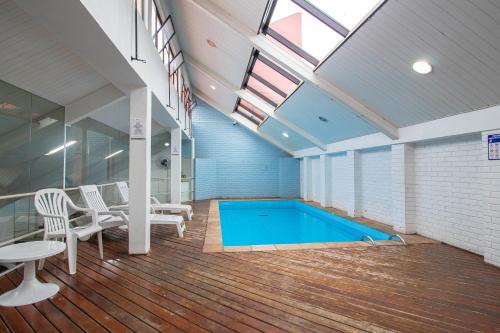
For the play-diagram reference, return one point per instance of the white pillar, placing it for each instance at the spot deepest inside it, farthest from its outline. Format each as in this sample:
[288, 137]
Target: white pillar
[353, 181]
[307, 179]
[326, 180]
[403, 188]
[489, 176]
[140, 172]
[175, 171]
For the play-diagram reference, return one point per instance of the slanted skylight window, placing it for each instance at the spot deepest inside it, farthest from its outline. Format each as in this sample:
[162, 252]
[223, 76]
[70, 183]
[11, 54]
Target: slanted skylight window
[249, 111]
[312, 28]
[268, 81]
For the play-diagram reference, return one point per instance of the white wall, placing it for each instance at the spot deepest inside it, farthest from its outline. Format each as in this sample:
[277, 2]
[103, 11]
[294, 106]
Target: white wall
[452, 190]
[340, 174]
[449, 197]
[375, 184]
[316, 179]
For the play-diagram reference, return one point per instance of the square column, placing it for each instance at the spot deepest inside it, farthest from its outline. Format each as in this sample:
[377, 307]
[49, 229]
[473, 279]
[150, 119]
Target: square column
[353, 181]
[326, 180]
[489, 176]
[140, 172]
[176, 165]
[307, 179]
[403, 188]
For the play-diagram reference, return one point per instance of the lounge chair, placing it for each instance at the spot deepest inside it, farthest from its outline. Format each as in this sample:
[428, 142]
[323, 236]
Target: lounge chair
[110, 218]
[123, 191]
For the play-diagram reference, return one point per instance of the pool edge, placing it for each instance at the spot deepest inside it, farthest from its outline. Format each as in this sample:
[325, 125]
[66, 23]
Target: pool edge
[213, 236]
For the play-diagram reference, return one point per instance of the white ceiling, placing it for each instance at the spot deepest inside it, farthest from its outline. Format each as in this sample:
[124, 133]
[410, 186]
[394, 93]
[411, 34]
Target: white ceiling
[342, 122]
[274, 129]
[34, 60]
[460, 38]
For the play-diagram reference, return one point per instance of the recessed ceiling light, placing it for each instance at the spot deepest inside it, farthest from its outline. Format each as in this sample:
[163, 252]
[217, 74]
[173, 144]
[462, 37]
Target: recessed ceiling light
[323, 119]
[211, 43]
[212, 87]
[167, 144]
[285, 134]
[422, 67]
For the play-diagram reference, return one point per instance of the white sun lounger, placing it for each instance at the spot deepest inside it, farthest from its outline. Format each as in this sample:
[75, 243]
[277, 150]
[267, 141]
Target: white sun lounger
[155, 203]
[108, 218]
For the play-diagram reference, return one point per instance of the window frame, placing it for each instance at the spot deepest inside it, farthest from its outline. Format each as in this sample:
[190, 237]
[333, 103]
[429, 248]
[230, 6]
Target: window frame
[312, 10]
[254, 117]
[250, 74]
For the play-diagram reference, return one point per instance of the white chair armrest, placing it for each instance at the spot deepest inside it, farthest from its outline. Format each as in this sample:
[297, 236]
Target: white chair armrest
[119, 213]
[53, 216]
[155, 200]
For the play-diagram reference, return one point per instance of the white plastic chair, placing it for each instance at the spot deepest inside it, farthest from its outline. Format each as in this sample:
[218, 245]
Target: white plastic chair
[110, 218]
[123, 191]
[52, 205]
[106, 217]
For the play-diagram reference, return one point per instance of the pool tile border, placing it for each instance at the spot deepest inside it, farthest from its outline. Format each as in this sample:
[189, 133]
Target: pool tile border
[213, 237]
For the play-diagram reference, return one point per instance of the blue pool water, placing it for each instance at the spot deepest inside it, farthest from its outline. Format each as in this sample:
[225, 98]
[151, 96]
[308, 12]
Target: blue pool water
[286, 222]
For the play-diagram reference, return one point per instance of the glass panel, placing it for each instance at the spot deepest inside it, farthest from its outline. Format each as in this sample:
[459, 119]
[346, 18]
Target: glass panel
[273, 77]
[253, 109]
[160, 163]
[30, 127]
[347, 12]
[265, 91]
[248, 115]
[303, 29]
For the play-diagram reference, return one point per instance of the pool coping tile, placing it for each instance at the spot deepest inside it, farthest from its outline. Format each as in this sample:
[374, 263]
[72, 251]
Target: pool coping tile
[213, 235]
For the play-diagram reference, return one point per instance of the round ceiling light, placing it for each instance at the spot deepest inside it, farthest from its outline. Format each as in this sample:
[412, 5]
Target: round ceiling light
[285, 134]
[211, 43]
[422, 67]
[212, 87]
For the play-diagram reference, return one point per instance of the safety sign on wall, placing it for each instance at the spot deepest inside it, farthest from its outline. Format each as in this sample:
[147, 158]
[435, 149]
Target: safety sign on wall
[494, 147]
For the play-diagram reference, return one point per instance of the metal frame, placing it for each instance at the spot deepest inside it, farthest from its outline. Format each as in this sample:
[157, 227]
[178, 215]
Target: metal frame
[312, 10]
[249, 73]
[179, 66]
[254, 118]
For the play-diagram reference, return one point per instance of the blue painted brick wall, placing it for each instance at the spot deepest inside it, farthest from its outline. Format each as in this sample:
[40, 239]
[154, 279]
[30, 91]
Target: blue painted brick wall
[233, 162]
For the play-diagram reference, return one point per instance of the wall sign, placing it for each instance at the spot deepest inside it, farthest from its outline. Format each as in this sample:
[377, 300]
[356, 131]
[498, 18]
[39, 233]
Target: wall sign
[494, 147]
[137, 128]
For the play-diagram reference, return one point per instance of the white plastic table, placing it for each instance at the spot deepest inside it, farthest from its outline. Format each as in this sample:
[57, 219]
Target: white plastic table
[30, 290]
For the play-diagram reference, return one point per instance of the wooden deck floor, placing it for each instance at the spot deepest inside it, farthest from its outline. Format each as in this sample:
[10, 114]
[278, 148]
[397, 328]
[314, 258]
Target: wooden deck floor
[419, 288]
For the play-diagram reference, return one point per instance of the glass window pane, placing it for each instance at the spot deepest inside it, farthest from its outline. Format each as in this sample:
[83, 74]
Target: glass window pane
[253, 109]
[262, 89]
[273, 77]
[303, 29]
[347, 12]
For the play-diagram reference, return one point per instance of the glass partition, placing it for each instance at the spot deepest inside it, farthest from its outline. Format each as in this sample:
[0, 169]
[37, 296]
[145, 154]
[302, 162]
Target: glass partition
[31, 128]
[160, 164]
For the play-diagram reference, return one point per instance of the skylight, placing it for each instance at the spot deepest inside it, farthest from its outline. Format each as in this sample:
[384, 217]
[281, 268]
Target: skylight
[312, 28]
[249, 111]
[268, 81]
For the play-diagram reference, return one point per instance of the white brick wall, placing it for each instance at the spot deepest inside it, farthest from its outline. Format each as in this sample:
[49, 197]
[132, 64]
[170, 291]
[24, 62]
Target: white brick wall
[375, 195]
[340, 174]
[316, 179]
[444, 189]
[449, 199]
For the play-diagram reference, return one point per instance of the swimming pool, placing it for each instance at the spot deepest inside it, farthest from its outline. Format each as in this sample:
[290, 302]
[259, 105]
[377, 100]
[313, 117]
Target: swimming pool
[263, 222]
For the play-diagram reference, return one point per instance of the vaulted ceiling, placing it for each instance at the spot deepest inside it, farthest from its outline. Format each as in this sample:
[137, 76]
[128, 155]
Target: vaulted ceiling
[366, 84]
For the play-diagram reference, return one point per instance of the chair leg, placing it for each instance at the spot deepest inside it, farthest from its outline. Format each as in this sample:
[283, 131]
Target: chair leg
[71, 243]
[180, 230]
[99, 240]
[190, 215]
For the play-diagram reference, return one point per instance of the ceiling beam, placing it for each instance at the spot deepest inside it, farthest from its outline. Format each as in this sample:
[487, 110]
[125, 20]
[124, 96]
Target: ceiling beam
[254, 101]
[297, 67]
[241, 120]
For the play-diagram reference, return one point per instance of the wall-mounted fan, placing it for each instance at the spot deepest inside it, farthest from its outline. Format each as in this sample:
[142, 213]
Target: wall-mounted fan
[162, 162]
